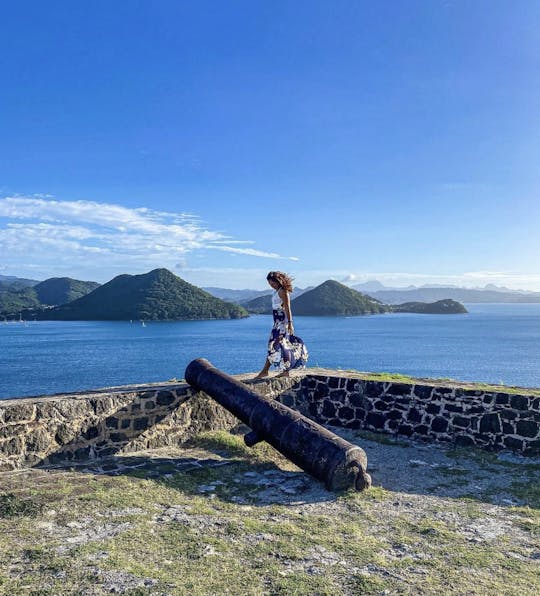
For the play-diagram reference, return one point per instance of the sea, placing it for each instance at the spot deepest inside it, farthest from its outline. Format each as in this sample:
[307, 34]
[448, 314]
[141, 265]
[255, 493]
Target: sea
[493, 343]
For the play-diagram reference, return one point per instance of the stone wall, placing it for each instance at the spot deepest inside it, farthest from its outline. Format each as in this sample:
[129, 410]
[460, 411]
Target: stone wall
[98, 424]
[436, 412]
[125, 419]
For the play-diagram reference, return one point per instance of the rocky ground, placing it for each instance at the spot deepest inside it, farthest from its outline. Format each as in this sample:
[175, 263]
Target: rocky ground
[218, 518]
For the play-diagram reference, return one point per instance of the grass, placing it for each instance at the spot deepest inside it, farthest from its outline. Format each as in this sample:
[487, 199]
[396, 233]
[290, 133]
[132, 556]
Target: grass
[353, 543]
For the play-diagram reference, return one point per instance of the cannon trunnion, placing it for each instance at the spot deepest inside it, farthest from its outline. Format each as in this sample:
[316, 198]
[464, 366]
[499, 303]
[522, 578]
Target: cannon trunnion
[321, 453]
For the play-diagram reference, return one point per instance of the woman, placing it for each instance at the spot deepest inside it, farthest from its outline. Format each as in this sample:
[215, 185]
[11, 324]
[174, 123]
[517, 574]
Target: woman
[285, 350]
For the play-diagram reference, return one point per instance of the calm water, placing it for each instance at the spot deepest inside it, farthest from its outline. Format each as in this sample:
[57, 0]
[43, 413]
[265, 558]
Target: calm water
[493, 343]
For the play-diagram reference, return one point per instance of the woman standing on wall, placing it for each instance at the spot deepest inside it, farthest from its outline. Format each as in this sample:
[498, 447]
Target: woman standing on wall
[286, 351]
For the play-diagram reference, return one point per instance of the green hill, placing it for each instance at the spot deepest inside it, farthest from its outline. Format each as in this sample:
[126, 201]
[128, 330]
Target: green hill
[441, 307]
[51, 292]
[334, 299]
[157, 295]
[262, 305]
[61, 290]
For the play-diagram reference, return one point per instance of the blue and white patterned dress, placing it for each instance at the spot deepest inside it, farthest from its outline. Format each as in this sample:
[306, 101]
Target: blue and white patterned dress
[285, 352]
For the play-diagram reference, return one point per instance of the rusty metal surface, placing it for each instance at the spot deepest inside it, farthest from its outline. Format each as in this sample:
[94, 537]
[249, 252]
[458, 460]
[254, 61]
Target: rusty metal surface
[321, 453]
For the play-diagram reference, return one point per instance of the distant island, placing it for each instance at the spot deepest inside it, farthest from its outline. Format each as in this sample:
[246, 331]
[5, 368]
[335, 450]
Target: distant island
[441, 307]
[19, 295]
[154, 296]
[488, 294]
[159, 295]
[332, 298]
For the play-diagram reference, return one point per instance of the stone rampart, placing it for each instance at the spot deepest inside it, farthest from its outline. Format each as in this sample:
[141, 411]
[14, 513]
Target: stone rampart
[435, 412]
[125, 419]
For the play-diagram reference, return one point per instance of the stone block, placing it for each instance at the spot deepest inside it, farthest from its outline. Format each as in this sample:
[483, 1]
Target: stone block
[532, 448]
[38, 440]
[373, 388]
[422, 391]
[165, 398]
[399, 389]
[502, 399]
[508, 428]
[464, 441]
[352, 385]
[346, 413]
[375, 420]
[90, 433]
[328, 409]
[458, 408]
[11, 446]
[111, 422]
[527, 428]
[490, 423]
[392, 425]
[519, 402]
[338, 395]
[65, 434]
[381, 405]
[461, 422]
[405, 429]
[333, 382]
[433, 408]
[140, 423]
[414, 415]
[513, 443]
[439, 424]
[421, 429]
[118, 438]
[13, 430]
[149, 405]
[19, 413]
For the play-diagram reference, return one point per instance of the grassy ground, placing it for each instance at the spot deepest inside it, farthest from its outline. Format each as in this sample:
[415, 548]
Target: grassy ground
[228, 530]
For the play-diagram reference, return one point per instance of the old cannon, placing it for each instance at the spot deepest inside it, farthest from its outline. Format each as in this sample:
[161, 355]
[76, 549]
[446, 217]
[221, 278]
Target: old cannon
[321, 453]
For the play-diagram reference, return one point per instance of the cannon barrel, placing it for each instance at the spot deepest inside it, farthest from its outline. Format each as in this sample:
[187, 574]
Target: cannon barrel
[321, 453]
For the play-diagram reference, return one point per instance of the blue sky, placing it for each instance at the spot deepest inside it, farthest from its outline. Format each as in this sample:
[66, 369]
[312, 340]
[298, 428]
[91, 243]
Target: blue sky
[348, 140]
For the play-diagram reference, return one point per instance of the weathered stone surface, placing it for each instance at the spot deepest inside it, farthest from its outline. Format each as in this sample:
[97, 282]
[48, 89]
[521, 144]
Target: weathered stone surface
[19, 413]
[527, 428]
[38, 440]
[490, 423]
[87, 420]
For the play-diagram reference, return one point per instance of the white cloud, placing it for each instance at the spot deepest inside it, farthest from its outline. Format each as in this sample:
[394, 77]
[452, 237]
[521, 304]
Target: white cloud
[41, 230]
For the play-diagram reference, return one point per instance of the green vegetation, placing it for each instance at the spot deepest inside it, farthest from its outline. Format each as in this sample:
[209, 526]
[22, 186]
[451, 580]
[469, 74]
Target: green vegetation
[441, 307]
[334, 299]
[157, 295]
[51, 292]
[262, 305]
[99, 534]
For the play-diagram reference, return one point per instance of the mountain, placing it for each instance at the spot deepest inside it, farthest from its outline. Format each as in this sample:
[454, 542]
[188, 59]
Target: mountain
[259, 306]
[432, 294]
[51, 292]
[334, 299]
[10, 282]
[371, 285]
[441, 307]
[157, 295]
[263, 304]
[244, 297]
[237, 296]
[61, 290]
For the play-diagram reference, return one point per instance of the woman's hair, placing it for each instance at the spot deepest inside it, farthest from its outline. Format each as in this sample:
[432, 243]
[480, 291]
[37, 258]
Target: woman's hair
[284, 280]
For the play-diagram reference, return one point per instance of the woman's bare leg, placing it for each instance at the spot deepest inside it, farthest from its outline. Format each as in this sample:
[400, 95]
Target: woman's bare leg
[264, 371]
